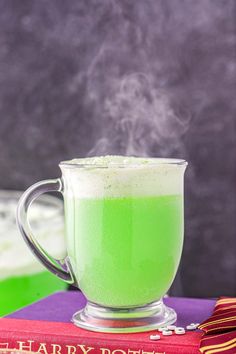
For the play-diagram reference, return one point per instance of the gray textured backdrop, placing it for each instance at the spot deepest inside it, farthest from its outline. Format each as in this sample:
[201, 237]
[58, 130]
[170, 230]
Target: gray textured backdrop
[130, 77]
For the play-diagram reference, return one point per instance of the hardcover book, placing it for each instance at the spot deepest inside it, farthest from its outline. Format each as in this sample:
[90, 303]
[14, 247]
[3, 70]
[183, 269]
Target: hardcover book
[45, 327]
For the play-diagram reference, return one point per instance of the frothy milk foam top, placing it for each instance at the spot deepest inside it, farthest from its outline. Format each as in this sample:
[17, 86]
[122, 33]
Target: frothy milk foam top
[122, 176]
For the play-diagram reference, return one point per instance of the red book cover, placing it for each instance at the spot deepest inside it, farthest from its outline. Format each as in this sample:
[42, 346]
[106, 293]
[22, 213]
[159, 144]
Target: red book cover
[45, 327]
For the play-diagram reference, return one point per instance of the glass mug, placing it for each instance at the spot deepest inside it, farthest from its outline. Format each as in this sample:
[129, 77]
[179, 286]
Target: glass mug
[124, 237]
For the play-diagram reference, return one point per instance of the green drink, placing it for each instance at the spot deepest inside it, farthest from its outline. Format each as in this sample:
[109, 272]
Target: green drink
[23, 279]
[125, 251]
[19, 291]
[124, 237]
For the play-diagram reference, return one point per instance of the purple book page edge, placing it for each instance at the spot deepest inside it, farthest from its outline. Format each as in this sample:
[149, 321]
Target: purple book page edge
[60, 307]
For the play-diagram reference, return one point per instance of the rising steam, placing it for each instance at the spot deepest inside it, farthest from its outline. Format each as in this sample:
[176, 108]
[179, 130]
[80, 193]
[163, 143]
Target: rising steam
[140, 119]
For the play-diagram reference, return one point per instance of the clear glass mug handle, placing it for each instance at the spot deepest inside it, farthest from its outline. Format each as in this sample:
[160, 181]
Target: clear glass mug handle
[61, 268]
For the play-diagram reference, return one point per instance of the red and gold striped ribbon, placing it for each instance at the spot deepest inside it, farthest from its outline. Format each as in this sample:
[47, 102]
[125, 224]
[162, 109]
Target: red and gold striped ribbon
[220, 329]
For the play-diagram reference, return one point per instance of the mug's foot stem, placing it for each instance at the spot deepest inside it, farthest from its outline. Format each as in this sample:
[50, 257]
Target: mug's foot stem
[139, 319]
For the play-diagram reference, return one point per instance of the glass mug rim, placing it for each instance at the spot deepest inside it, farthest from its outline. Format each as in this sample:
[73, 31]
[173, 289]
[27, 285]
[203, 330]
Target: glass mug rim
[147, 162]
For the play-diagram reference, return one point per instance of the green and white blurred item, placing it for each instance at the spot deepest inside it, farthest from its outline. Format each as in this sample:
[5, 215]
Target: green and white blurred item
[23, 279]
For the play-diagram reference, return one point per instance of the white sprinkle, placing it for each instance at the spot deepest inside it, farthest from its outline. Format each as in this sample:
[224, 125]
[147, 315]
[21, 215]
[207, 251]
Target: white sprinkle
[180, 331]
[191, 327]
[179, 328]
[167, 333]
[195, 324]
[171, 327]
[161, 329]
[155, 337]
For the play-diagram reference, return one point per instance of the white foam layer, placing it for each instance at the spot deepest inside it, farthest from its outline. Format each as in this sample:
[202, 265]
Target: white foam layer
[121, 176]
[15, 257]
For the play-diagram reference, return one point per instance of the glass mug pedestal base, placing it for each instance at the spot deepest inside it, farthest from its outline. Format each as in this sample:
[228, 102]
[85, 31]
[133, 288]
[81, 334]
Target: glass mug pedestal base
[138, 319]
